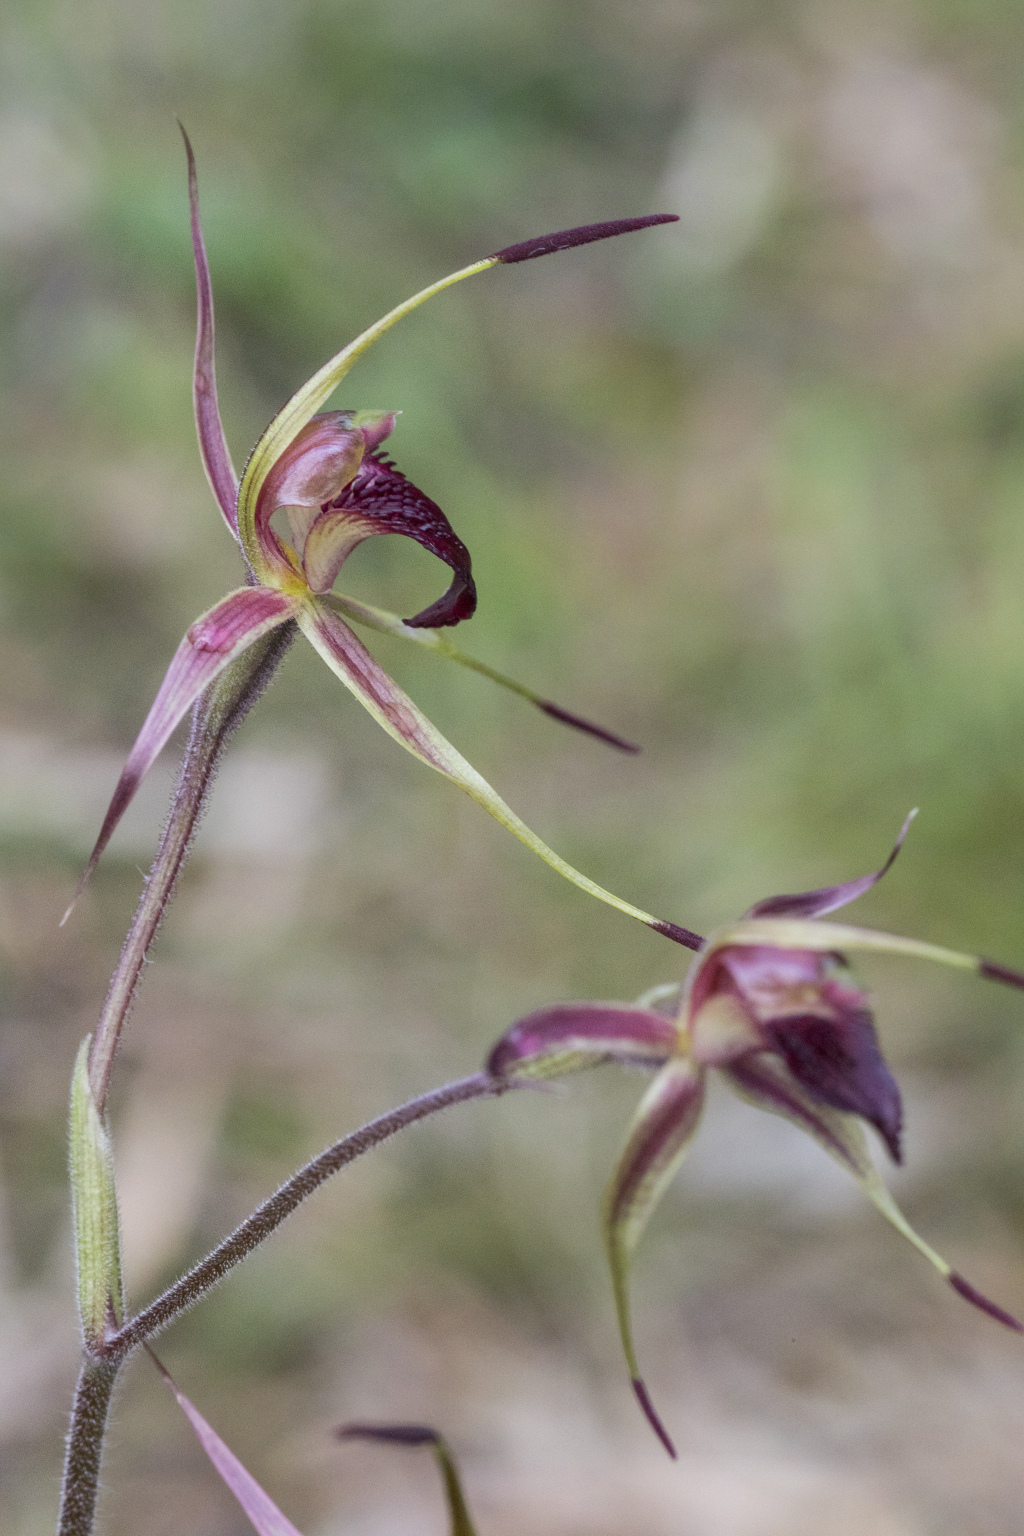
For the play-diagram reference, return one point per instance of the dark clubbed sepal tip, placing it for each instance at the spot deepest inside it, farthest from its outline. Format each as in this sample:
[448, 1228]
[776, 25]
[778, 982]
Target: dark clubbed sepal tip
[587, 726]
[678, 935]
[651, 1414]
[584, 234]
[389, 1434]
[966, 1290]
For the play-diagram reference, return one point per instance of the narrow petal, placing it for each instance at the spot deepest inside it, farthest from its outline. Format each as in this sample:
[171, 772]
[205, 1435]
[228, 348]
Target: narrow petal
[830, 897]
[305, 403]
[568, 1037]
[659, 1139]
[212, 643]
[419, 1435]
[258, 1506]
[765, 1082]
[349, 659]
[213, 446]
[381, 500]
[390, 624]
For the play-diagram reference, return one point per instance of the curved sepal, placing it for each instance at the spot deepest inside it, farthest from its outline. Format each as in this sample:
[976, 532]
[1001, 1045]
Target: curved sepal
[257, 1505]
[570, 1037]
[94, 1206]
[216, 639]
[349, 659]
[658, 1140]
[213, 445]
[415, 1435]
[305, 403]
[379, 499]
[830, 897]
[765, 1082]
[391, 624]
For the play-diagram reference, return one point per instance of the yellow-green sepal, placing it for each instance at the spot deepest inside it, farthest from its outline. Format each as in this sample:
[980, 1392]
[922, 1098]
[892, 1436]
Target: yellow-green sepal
[94, 1203]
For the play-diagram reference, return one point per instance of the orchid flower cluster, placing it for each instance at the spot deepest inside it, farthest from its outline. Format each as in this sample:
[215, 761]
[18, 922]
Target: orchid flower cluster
[768, 1003]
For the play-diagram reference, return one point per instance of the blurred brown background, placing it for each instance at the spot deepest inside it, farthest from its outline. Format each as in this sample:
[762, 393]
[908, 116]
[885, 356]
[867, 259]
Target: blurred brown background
[748, 489]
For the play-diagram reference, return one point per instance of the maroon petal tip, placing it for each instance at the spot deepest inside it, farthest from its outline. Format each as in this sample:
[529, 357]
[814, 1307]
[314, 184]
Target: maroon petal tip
[587, 726]
[584, 234]
[643, 1397]
[391, 1434]
[966, 1290]
[684, 936]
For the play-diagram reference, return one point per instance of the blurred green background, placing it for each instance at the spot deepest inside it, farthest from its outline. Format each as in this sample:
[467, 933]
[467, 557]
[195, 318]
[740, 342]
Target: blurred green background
[747, 489]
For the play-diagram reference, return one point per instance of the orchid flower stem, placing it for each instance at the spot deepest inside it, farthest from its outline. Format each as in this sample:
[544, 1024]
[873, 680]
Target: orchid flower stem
[85, 1446]
[269, 1216]
[99, 1370]
[218, 712]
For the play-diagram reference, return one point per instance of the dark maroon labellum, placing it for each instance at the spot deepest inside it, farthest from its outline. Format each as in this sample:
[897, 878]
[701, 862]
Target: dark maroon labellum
[383, 496]
[839, 1063]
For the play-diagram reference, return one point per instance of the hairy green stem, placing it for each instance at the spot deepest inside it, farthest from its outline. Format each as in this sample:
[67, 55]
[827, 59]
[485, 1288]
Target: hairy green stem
[85, 1446]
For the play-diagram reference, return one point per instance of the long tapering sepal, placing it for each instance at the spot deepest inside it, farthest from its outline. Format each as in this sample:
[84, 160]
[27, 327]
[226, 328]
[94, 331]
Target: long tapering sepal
[94, 1204]
[213, 445]
[216, 639]
[658, 1140]
[765, 1081]
[349, 659]
[416, 1435]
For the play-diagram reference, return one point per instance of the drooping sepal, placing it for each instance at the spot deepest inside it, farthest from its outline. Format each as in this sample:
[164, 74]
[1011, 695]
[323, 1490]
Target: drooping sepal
[658, 1140]
[94, 1207]
[765, 1082]
[379, 499]
[349, 659]
[830, 897]
[257, 1505]
[570, 1037]
[416, 1435]
[211, 644]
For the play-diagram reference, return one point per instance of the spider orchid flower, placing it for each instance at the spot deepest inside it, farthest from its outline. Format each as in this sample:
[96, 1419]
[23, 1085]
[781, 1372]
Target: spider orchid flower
[768, 1004]
[327, 477]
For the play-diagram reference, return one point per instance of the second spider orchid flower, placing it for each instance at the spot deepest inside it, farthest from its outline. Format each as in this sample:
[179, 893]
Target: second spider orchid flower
[769, 1006]
[326, 476]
